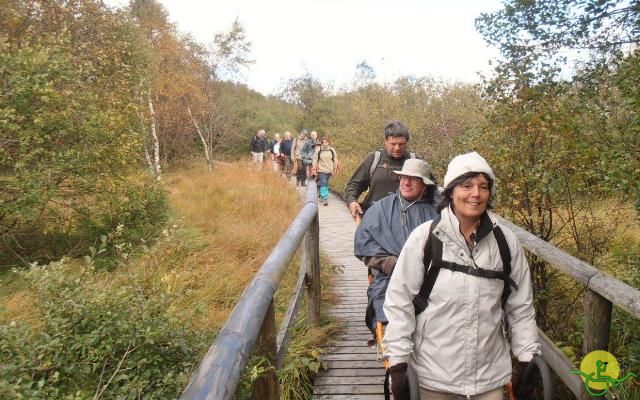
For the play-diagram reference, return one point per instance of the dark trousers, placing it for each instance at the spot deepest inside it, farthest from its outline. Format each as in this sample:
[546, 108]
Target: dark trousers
[301, 172]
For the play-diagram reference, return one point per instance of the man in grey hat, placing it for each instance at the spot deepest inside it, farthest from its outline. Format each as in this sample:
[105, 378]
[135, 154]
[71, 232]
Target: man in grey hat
[386, 226]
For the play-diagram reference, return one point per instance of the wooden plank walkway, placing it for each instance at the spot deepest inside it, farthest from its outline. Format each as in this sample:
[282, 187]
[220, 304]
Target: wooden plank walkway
[354, 372]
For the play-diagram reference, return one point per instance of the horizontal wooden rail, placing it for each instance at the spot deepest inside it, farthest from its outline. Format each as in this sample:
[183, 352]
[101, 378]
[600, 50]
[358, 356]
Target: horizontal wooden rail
[618, 292]
[220, 371]
[601, 292]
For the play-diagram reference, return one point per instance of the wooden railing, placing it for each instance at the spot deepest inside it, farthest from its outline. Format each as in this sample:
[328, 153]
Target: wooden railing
[601, 292]
[251, 324]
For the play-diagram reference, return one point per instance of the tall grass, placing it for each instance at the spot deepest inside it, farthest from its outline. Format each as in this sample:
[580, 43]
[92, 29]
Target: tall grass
[224, 224]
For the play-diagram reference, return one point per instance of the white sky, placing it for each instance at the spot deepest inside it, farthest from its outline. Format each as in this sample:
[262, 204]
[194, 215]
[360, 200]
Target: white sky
[328, 38]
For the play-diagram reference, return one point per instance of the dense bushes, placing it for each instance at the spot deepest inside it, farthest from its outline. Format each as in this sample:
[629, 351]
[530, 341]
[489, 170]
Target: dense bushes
[96, 338]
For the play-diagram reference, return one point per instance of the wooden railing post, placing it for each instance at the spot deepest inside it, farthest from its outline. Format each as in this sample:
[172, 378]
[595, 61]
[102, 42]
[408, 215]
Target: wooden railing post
[267, 387]
[597, 322]
[311, 255]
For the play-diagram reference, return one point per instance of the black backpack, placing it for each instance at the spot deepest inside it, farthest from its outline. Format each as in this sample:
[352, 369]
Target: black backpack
[433, 258]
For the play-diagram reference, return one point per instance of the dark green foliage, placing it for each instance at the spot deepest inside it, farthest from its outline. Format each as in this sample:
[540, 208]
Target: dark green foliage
[97, 338]
[71, 131]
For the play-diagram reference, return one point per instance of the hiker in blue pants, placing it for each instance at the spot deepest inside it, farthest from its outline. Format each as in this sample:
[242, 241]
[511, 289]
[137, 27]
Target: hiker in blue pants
[449, 321]
[325, 164]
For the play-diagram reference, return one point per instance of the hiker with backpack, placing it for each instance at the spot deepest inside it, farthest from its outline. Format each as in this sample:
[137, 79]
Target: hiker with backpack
[297, 153]
[459, 282]
[386, 226]
[313, 142]
[325, 164]
[375, 173]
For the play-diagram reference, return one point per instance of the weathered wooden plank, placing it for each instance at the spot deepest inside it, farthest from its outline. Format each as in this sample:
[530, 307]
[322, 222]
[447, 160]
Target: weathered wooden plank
[350, 357]
[359, 316]
[267, 386]
[353, 364]
[311, 260]
[361, 339]
[561, 365]
[348, 397]
[348, 307]
[364, 349]
[597, 322]
[618, 292]
[348, 389]
[352, 372]
[289, 320]
[352, 343]
[350, 380]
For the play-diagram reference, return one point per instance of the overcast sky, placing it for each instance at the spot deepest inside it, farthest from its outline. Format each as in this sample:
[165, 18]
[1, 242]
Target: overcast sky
[329, 38]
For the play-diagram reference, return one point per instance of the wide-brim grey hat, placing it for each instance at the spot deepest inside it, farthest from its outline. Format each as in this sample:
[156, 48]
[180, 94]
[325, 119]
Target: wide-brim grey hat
[418, 168]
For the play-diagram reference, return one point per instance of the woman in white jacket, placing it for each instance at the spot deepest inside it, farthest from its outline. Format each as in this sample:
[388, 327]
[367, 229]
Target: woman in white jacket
[458, 345]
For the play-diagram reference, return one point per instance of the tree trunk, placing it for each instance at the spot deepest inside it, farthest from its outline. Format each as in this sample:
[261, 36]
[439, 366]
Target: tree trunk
[156, 142]
[147, 156]
[204, 142]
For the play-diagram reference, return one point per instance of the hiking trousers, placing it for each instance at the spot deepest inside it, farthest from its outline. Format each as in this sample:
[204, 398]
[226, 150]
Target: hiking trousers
[301, 172]
[495, 394]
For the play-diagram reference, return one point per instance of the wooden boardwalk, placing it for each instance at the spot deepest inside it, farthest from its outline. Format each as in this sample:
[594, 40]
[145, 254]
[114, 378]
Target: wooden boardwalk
[353, 370]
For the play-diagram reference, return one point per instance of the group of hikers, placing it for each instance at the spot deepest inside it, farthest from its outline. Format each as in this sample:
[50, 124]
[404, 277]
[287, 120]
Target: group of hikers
[308, 157]
[449, 282]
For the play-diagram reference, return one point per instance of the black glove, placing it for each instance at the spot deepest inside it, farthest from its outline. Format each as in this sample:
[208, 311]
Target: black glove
[524, 389]
[399, 383]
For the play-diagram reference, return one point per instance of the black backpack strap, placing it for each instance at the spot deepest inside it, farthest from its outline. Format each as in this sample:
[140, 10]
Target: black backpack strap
[432, 251]
[505, 255]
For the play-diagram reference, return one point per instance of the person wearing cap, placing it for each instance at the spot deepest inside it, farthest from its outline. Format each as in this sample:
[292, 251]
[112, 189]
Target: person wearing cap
[381, 181]
[458, 344]
[297, 154]
[385, 227]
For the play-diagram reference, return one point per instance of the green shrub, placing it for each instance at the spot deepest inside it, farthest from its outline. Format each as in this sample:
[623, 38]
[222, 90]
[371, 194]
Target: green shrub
[97, 340]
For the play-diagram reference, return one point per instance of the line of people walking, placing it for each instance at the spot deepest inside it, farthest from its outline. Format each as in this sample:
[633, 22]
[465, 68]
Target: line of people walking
[305, 157]
[447, 279]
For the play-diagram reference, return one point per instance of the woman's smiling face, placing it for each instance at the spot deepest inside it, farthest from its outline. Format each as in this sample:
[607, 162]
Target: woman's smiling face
[471, 197]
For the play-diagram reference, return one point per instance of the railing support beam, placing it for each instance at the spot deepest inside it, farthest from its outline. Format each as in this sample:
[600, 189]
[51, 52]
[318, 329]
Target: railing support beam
[597, 322]
[311, 257]
[267, 387]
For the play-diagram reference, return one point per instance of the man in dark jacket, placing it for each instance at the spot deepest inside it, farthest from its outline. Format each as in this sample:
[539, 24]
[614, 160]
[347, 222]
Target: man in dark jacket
[381, 181]
[259, 146]
[285, 149]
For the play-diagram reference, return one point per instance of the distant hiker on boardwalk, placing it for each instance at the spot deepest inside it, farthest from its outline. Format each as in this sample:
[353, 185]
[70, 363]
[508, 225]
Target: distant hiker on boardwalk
[386, 226]
[285, 150]
[448, 322]
[313, 142]
[297, 154]
[325, 164]
[277, 158]
[375, 173]
[259, 146]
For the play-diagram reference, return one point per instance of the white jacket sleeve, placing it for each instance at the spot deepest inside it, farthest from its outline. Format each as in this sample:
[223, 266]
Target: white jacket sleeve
[519, 307]
[404, 285]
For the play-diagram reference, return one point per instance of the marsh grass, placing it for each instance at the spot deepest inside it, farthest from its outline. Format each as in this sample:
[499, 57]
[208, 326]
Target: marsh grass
[224, 225]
